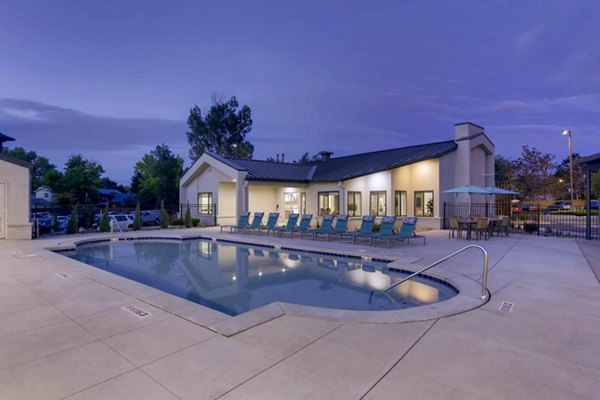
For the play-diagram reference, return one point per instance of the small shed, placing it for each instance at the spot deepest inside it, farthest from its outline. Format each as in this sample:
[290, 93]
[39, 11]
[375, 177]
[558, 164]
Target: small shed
[15, 196]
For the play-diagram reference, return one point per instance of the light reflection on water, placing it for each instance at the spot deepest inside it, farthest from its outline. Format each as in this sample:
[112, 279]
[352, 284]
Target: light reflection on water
[235, 278]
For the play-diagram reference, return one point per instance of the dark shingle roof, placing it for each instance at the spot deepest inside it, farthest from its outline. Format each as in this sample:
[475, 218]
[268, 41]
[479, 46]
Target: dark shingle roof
[4, 138]
[341, 168]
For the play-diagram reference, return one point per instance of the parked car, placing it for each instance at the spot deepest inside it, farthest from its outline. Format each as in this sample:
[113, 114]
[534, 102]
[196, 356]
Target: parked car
[594, 204]
[560, 205]
[530, 207]
[151, 217]
[120, 222]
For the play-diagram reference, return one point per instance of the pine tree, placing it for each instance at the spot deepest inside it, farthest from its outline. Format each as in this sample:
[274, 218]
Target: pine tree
[188, 216]
[137, 221]
[72, 225]
[105, 220]
[164, 216]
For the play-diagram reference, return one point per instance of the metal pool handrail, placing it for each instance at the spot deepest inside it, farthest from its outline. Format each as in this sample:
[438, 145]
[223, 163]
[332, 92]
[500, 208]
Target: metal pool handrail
[483, 281]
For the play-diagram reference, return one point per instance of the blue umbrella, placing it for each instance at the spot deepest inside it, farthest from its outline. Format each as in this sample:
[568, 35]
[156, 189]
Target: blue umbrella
[470, 189]
[496, 190]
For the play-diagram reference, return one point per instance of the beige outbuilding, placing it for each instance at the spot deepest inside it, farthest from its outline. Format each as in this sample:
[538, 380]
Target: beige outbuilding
[15, 189]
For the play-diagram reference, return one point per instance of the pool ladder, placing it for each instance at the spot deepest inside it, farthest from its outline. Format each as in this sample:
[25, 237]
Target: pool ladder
[484, 291]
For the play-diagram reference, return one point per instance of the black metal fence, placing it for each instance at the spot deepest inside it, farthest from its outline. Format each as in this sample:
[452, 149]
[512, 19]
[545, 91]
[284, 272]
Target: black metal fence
[530, 219]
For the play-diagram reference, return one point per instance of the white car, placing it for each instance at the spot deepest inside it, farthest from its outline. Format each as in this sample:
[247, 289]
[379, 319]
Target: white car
[120, 222]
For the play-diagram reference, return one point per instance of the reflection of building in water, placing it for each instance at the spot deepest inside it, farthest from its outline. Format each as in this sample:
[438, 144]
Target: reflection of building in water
[418, 292]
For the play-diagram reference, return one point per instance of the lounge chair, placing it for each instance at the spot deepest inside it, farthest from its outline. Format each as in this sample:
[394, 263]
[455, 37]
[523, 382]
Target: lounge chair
[303, 227]
[407, 232]
[365, 231]
[241, 224]
[291, 224]
[271, 223]
[256, 221]
[323, 230]
[341, 225]
[386, 228]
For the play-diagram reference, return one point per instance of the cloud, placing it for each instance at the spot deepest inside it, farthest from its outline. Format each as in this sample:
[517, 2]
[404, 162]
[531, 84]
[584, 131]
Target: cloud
[117, 143]
[524, 41]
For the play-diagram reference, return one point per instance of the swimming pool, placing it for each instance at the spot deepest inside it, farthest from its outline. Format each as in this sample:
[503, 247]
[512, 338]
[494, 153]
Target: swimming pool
[234, 278]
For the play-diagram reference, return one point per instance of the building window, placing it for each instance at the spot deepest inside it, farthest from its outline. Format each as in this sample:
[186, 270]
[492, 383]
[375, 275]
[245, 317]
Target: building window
[354, 204]
[291, 204]
[424, 204]
[329, 203]
[400, 203]
[378, 205]
[205, 203]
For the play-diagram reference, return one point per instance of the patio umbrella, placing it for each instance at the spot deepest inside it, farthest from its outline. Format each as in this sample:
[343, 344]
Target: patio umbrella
[470, 189]
[497, 190]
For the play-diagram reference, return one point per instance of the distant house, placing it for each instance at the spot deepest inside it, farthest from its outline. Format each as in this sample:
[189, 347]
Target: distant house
[15, 189]
[44, 192]
[405, 181]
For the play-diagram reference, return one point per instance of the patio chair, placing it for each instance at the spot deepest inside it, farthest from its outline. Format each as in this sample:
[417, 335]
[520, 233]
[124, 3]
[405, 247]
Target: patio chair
[386, 229]
[341, 225]
[256, 221]
[324, 229]
[503, 225]
[271, 223]
[482, 228]
[302, 227]
[455, 228]
[241, 224]
[291, 224]
[365, 231]
[407, 232]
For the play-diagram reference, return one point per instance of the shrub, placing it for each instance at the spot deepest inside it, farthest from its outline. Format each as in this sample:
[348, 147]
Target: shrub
[531, 228]
[188, 216]
[137, 220]
[376, 227]
[176, 222]
[72, 225]
[195, 222]
[164, 216]
[105, 220]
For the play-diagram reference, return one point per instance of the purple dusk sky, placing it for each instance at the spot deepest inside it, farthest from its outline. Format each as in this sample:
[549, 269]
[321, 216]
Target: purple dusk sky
[112, 79]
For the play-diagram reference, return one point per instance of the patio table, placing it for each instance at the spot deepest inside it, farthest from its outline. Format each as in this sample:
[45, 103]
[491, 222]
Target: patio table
[468, 224]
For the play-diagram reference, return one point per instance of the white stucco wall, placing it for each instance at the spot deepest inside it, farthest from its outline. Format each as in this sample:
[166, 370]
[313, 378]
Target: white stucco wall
[262, 198]
[15, 203]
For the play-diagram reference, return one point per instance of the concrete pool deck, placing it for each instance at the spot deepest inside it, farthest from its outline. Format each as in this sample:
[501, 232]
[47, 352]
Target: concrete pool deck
[64, 333]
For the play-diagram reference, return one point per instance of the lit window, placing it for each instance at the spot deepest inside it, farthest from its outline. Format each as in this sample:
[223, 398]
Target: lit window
[424, 204]
[205, 203]
[354, 204]
[329, 203]
[400, 203]
[378, 205]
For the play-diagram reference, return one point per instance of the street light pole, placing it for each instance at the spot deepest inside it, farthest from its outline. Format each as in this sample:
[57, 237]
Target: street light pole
[568, 133]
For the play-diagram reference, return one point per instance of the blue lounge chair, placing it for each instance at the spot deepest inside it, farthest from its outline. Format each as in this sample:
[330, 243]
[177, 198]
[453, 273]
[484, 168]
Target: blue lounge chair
[386, 229]
[241, 224]
[291, 224]
[341, 226]
[256, 221]
[407, 232]
[271, 223]
[323, 230]
[303, 227]
[366, 229]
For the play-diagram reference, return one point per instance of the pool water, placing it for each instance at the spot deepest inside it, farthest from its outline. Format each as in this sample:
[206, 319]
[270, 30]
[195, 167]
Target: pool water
[234, 278]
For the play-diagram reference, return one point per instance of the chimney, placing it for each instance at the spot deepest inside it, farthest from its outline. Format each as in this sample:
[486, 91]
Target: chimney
[277, 160]
[282, 157]
[325, 155]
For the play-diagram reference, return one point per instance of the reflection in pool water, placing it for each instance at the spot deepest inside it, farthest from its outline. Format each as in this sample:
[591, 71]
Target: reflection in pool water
[234, 278]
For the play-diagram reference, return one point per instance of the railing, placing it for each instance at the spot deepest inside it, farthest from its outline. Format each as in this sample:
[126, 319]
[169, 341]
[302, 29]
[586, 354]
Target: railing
[483, 280]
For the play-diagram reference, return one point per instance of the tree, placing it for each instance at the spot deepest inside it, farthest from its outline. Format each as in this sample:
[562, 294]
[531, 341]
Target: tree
[306, 158]
[563, 172]
[188, 216]
[164, 216]
[137, 219]
[504, 169]
[80, 181]
[223, 130]
[534, 173]
[157, 176]
[105, 220]
[72, 225]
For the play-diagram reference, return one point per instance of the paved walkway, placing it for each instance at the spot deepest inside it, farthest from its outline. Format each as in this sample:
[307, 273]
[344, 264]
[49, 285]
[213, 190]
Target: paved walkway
[64, 334]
